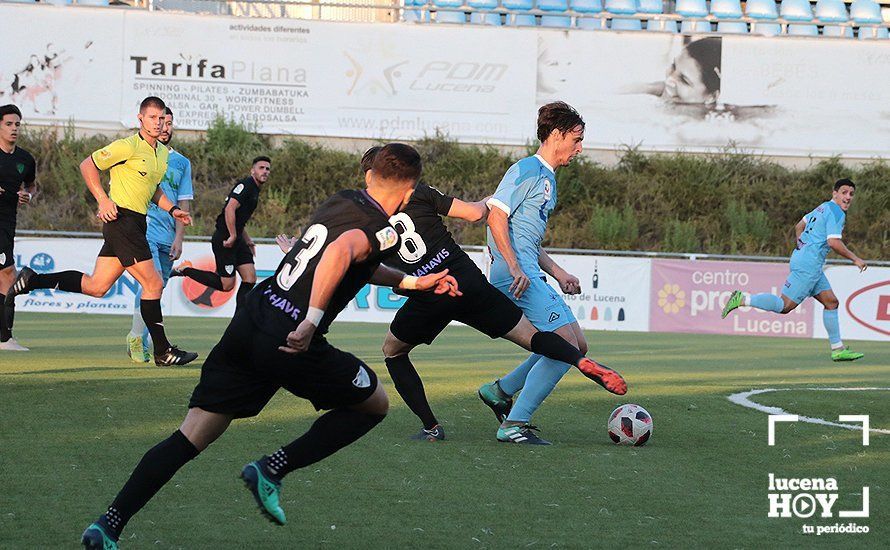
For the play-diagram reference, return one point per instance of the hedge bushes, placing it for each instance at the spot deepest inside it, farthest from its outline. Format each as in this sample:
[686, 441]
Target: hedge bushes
[719, 204]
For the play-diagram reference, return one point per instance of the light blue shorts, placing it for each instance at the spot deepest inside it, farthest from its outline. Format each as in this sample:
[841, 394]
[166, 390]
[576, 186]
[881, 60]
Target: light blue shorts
[160, 255]
[801, 284]
[542, 305]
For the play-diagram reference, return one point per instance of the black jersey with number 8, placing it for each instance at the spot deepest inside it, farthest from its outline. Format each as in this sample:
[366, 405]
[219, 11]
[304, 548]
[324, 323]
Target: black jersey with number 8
[279, 303]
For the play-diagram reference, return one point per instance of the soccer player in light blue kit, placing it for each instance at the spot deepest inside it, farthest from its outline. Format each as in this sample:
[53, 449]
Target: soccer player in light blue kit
[164, 234]
[518, 219]
[818, 232]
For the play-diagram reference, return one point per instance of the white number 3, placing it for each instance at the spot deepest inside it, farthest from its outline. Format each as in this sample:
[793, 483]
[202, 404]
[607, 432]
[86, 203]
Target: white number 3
[314, 239]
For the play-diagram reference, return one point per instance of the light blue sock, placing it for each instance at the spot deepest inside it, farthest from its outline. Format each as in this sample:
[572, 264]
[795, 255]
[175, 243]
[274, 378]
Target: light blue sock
[767, 302]
[515, 380]
[832, 327]
[540, 382]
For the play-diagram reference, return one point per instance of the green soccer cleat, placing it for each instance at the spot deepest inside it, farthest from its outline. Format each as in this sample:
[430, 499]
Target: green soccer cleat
[499, 402]
[97, 537]
[265, 491]
[844, 354]
[136, 351]
[735, 300]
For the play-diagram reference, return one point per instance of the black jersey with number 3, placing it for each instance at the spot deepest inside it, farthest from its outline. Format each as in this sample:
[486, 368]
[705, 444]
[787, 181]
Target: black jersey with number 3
[279, 303]
[427, 245]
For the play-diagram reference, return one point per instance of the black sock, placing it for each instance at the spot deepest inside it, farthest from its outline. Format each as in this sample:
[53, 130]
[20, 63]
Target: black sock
[243, 289]
[154, 321]
[154, 470]
[410, 387]
[331, 432]
[554, 346]
[206, 278]
[5, 329]
[69, 281]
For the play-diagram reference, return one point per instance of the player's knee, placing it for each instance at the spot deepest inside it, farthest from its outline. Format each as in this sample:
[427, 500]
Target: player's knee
[831, 303]
[582, 346]
[153, 288]
[228, 283]
[94, 289]
[379, 404]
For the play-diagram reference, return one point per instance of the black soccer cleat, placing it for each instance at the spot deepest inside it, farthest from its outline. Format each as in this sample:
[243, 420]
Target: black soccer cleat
[523, 434]
[436, 433]
[19, 286]
[175, 357]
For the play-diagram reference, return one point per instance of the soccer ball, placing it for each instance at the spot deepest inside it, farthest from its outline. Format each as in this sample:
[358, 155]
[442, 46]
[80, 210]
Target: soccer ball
[630, 425]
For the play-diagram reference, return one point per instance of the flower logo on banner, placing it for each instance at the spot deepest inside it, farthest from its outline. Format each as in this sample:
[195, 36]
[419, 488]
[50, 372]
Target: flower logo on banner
[671, 298]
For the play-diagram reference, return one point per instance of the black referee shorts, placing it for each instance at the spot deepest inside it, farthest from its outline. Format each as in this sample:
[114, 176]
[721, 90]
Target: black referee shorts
[422, 318]
[245, 369]
[125, 238]
[7, 245]
[227, 259]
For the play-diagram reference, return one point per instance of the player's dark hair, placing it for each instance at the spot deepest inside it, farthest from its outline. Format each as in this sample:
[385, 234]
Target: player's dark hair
[707, 53]
[152, 101]
[842, 182]
[261, 158]
[168, 110]
[397, 161]
[368, 157]
[9, 110]
[557, 116]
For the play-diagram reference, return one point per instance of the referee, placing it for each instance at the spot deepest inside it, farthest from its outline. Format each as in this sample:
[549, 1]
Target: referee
[137, 164]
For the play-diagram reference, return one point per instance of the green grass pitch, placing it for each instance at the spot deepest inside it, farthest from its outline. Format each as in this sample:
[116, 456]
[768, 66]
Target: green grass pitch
[76, 416]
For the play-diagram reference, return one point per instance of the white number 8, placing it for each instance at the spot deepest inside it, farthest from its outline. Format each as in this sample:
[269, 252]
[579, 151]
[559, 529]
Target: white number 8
[413, 248]
[314, 238]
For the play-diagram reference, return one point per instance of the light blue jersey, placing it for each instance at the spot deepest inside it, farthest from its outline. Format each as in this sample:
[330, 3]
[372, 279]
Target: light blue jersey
[823, 223]
[527, 194]
[177, 185]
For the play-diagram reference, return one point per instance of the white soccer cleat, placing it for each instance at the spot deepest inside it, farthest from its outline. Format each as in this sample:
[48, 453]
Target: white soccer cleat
[12, 345]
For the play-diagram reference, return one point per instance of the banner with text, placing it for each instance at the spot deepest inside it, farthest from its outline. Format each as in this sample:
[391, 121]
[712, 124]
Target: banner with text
[864, 298]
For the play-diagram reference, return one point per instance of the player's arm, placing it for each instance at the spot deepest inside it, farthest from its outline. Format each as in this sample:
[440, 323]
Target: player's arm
[248, 241]
[439, 282]
[838, 246]
[229, 215]
[469, 211]
[90, 172]
[499, 224]
[164, 203]
[30, 189]
[176, 248]
[567, 282]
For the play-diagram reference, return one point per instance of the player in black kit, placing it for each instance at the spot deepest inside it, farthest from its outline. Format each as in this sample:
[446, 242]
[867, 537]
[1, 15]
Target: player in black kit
[18, 185]
[233, 248]
[277, 341]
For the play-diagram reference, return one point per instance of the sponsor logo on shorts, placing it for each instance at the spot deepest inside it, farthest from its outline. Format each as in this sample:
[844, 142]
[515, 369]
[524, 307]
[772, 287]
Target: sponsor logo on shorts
[230, 269]
[388, 237]
[553, 316]
[362, 379]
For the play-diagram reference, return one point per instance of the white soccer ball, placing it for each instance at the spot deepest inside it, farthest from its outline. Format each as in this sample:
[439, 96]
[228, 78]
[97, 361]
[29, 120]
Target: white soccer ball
[630, 425]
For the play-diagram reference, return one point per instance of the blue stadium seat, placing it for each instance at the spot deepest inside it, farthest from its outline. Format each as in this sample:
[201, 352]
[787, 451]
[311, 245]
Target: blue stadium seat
[799, 10]
[832, 10]
[765, 12]
[729, 9]
[415, 16]
[520, 19]
[449, 16]
[837, 30]
[693, 8]
[868, 11]
[588, 7]
[555, 21]
[624, 7]
[493, 19]
[656, 7]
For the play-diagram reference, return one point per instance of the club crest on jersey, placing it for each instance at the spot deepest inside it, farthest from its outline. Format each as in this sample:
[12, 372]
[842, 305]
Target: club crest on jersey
[20, 167]
[362, 379]
[548, 190]
[238, 188]
[230, 269]
[2, 258]
[388, 237]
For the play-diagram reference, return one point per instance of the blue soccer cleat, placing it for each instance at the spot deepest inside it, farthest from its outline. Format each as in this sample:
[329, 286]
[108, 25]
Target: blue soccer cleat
[98, 536]
[265, 490]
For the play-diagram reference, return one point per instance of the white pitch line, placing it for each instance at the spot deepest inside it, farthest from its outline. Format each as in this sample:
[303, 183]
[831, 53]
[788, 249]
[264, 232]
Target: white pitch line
[741, 398]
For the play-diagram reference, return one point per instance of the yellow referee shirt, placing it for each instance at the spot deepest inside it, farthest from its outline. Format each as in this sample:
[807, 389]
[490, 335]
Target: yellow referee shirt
[136, 169]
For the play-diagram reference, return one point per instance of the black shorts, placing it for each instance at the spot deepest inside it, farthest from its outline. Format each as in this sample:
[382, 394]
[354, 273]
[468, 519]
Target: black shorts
[482, 306]
[245, 369]
[227, 259]
[7, 244]
[125, 238]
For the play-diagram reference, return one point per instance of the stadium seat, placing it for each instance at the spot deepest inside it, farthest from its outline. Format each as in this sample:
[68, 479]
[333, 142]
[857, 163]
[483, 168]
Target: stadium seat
[556, 21]
[799, 10]
[90, 2]
[765, 13]
[729, 9]
[834, 11]
[519, 19]
[449, 16]
[477, 18]
[623, 7]
[415, 16]
[845, 31]
[656, 7]
[868, 12]
[693, 8]
[588, 7]
[58, 2]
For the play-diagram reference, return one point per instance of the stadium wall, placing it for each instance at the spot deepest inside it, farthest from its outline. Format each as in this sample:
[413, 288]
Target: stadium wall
[777, 96]
[620, 293]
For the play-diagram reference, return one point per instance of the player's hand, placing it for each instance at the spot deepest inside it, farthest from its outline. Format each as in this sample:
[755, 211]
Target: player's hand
[520, 282]
[285, 243]
[182, 216]
[176, 249]
[24, 197]
[107, 211]
[230, 242]
[570, 284]
[439, 283]
[298, 340]
[860, 263]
